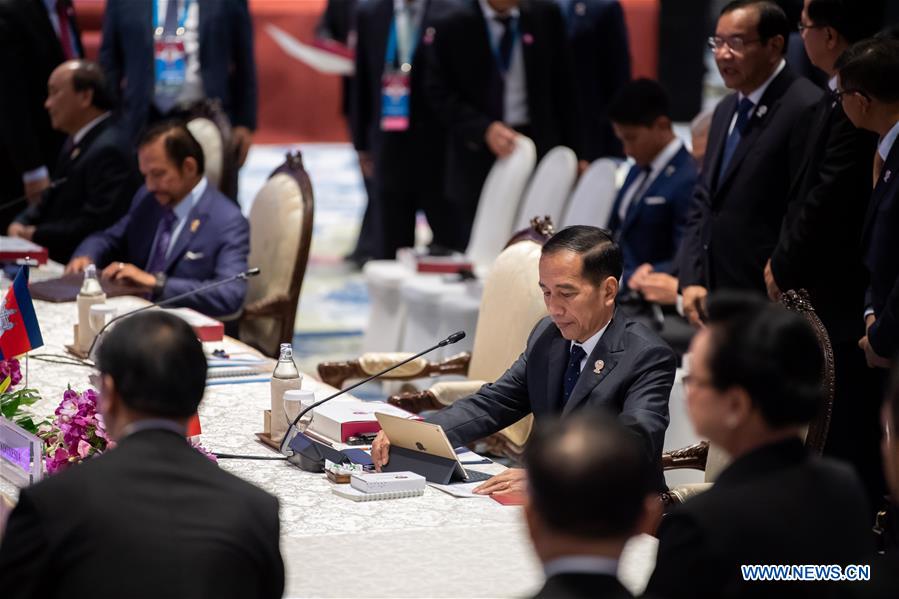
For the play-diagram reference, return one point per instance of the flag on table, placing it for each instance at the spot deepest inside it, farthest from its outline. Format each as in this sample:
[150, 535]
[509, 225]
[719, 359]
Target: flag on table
[19, 331]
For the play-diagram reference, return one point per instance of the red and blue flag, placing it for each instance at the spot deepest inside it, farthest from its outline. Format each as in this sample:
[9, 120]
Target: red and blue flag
[19, 331]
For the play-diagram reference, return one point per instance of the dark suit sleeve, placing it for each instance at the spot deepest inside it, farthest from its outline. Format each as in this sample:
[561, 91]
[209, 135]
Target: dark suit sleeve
[273, 560]
[108, 178]
[683, 561]
[243, 80]
[614, 54]
[563, 85]
[681, 205]
[690, 269]
[457, 114]
[645, 408]
[111, 49]
[843, 173]
[24, 555]
[103, 246]
[232, 259]
[883, 335]
[360, 100]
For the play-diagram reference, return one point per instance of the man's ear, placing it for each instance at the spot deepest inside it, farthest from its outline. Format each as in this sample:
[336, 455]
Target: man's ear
[738, 405]
[609, 290]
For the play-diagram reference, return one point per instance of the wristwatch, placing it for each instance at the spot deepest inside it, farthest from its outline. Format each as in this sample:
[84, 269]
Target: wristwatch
[160, 283]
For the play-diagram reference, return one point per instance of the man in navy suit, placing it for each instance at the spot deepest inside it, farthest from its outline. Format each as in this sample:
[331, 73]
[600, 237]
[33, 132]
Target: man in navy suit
[650, 212]
[585, 354]
[166, 55]
[602, 62]
[869, 92]
[179, 234]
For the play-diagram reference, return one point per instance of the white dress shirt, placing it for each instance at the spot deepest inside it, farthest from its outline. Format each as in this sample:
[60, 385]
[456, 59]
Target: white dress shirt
[643, 181]
[589, 345]
[79, 135]
[182, 211]
[515, 100]
[756, 96]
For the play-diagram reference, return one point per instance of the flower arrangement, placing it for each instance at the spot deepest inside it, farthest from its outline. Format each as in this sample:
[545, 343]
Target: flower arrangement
[13, 402]
[77, 433]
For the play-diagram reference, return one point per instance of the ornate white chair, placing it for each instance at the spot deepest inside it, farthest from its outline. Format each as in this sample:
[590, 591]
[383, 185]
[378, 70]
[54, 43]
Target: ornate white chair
[592, 199]
[549, 188]
[209, 125]
[280, 235]
[390, 283]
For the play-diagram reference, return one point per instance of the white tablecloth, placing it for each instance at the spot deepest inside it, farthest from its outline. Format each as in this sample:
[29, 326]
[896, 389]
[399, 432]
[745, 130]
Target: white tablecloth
[429, 546]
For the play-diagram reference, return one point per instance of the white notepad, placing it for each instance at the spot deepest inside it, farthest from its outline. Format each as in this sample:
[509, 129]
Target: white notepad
[356, 495]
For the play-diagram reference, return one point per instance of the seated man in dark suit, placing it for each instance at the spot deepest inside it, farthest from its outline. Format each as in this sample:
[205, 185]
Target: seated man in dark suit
[180, 232]
[589, 490]
[97, 163]
[151, 517]
[754, 382]
[584, 354]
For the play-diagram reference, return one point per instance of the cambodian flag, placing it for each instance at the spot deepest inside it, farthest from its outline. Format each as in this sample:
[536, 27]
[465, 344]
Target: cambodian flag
[19, 331]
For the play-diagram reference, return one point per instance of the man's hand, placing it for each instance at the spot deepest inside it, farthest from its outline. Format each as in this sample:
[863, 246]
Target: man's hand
[694, 304]
[20, 230]
[582, 165]
[774, 292]
[871, 357]
[242, 138]
[511, 481]
[636, 280]
[366, 164]
[77, 264]
[34, 189]
[660, 288]
[120, 271]
[500, 139]
[380, 450]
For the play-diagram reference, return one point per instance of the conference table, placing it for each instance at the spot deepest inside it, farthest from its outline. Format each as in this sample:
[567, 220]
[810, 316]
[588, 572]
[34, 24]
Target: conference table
[435, 545]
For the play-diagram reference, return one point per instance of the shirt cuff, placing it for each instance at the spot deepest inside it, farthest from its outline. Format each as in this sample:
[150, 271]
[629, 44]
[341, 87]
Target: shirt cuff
[869, 312]
[679, 304]
[35, 175]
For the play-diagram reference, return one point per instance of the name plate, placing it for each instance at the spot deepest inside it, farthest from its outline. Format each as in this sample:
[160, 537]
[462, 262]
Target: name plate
[20, 454]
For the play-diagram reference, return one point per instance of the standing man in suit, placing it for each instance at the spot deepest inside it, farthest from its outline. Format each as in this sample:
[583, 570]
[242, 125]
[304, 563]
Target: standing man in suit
[869, 93]
[821, 236]
[97, 163]
[164, 56]
[36, 36]
[497, 68]
[394, 125]
[650, 211]
[585, 354]
[753, 154]
[754, 382]
[179, 234]
[589, 490]
[151, 517]
[602, 63]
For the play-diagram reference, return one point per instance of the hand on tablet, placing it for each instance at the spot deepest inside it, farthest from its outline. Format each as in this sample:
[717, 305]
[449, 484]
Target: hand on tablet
[380, 450]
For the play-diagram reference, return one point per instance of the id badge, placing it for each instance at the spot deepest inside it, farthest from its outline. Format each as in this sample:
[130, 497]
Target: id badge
[171, 64]
[395, 101]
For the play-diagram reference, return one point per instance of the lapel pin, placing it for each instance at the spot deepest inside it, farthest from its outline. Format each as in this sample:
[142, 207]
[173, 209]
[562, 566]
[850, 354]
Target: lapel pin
[886, 175]
[75, 154]
[194, 225]
[527, 38]
[430, 32]
[598, 366]
[762, 111]
[580, 9]
[670, 170]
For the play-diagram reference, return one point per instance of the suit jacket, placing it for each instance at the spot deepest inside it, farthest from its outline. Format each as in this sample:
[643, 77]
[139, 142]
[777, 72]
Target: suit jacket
[881, 259]
[776, 505]
[101, 178]
[150, 518]
[227, 65]
[735, 218]
[583, 586]
[409, 160]
[29, 51]
[602, 64]
[462, 71]
[654, 222]
[212, 245]
[819, 248]
[634, 384]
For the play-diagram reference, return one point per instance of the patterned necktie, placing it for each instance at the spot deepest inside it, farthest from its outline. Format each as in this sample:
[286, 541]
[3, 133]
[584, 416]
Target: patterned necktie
[65, 37]
[163, 239]
[744, 111]
[572, 372]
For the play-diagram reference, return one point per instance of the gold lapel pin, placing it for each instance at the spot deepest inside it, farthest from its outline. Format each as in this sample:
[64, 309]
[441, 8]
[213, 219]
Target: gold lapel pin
[598, 366]
[75, 153]
[194, 225]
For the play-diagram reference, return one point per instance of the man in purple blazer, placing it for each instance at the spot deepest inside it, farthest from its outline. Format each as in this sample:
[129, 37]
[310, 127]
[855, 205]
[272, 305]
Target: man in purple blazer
[179, 234]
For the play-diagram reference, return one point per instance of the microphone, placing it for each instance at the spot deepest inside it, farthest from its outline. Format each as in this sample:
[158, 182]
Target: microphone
[252, 272]
[308, 453]
[20, 199]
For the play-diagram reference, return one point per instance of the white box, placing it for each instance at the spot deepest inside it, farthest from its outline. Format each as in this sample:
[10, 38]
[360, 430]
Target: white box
[387, 482]
[343, 418]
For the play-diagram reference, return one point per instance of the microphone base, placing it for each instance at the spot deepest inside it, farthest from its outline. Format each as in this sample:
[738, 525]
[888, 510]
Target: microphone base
[309, 455]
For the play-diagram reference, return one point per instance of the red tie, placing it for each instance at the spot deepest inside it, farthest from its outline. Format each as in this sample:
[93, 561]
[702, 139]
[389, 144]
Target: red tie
[62, 12]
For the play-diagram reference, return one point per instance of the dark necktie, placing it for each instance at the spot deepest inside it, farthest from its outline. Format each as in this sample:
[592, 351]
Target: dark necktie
[170, 27]
[65, 37]
[163, 238]
[572, 372]
[505, 43]
[744, 111]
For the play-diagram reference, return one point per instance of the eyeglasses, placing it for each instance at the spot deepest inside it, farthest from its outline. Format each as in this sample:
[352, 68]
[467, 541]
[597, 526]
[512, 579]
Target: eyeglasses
[839, 94]
[803, 27]
[736, 43]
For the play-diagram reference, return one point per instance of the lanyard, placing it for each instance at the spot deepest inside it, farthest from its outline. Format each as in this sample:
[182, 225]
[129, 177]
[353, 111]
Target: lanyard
[158, 29]
[494, 44]
[390, 55]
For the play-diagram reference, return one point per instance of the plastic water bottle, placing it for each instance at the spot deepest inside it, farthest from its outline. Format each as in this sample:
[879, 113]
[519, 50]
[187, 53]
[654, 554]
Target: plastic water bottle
[91, 293]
